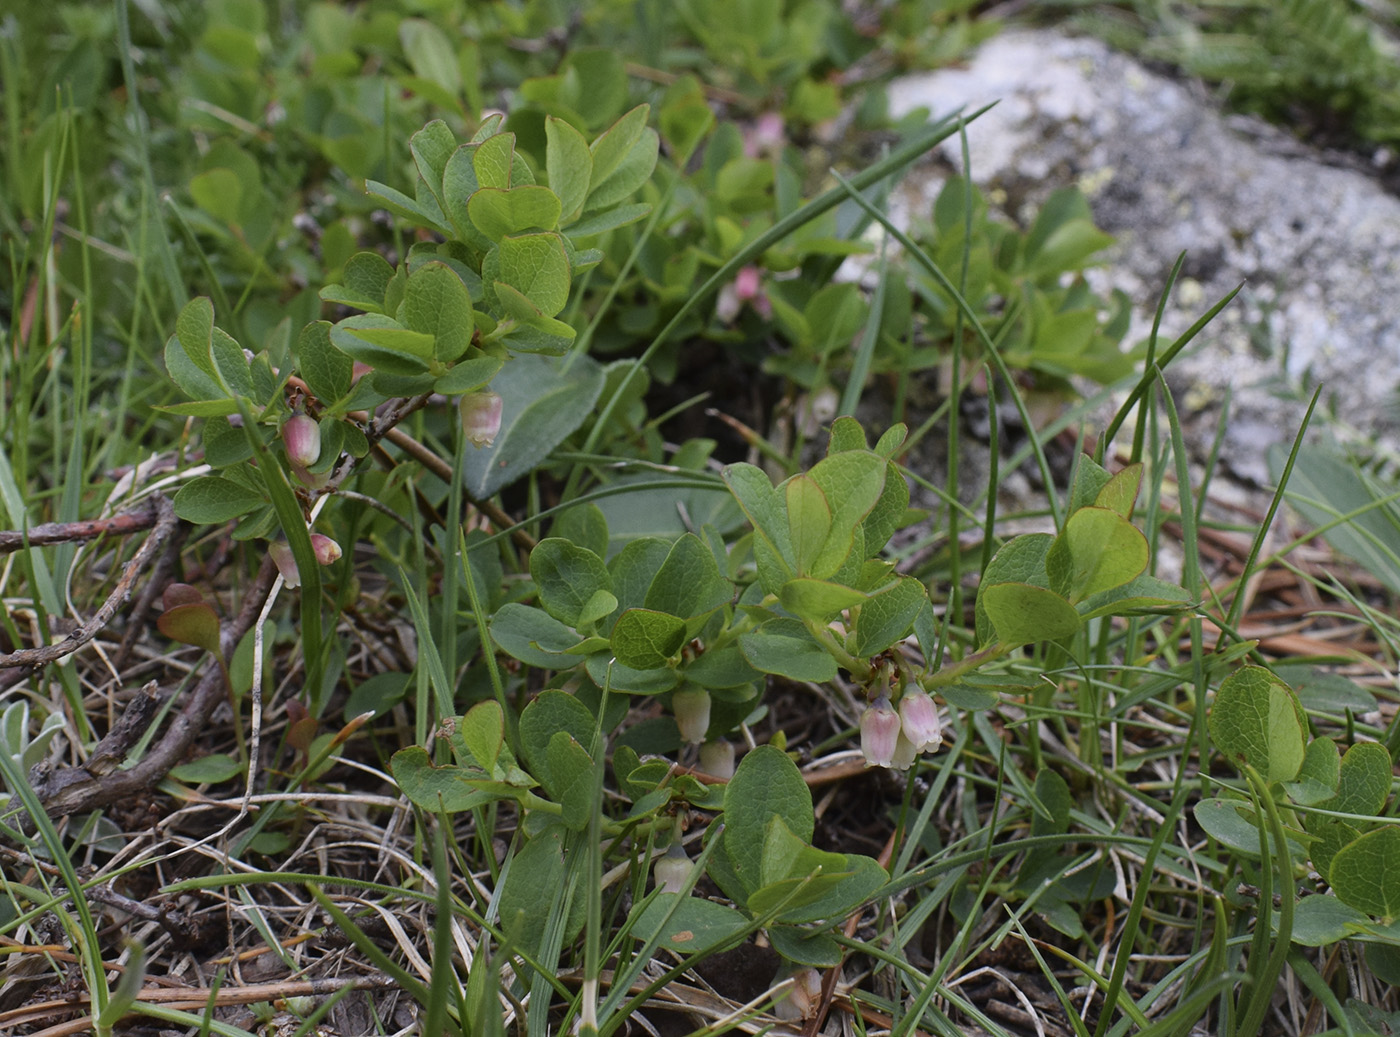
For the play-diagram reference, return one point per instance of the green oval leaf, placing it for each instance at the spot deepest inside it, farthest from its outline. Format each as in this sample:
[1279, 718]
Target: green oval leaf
[1256, 721]
[1364, 875]
[765, 785]
[497, 213]
[1024, 614]
[212, 498]
[1097, 550]
[567, 577]
[818, 600]
[646, 640]
[437, 303]
[434, 787]
[784, 647]
[568, 164]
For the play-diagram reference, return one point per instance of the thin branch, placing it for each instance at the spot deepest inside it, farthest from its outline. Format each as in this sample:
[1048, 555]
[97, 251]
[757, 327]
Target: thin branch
[77, 790]
[144, 516]
[162, 524]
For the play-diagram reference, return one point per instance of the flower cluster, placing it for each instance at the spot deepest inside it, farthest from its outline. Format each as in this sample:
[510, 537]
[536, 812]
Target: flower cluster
[894, 739]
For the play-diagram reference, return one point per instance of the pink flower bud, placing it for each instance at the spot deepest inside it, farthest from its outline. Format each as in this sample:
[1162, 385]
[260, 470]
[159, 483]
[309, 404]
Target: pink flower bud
[765, 137]
[286, 564]
[302, 436]
[672, 869]
[481, 417]
[920, 719]
[748, 282]
[327, 550]
[879, 733]
[717, 758]
[691, 705]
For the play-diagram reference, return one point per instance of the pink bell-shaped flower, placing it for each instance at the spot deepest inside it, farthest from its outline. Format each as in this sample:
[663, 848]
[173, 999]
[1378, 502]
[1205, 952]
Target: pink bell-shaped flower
[919, 715]
[481, 417]
[879, 732]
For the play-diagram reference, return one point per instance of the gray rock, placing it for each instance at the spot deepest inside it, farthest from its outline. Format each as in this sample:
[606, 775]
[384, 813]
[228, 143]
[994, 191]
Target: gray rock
[1316, 244]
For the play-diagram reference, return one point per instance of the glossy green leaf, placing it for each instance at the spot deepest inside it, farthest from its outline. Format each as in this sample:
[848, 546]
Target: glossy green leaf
[723, 667]
[534, 637]
[483, 732]
[550, 712]
[431, 147]
[1143, 595]
[1328, 837]
[367, 276]
[767, 512]
[615, 144]
[1322, 920]
[632, 172]
[534, 880]
[494, 159]
[469, 375]
[804, 946]
[608, 672]
[860, 879]
[1120, 493]
[193, 381]
[809, 520]
[1319, 774]
[852, 483]
[384, 344]
[433, 787]
[194, 328]
[689, 582]
[1225, 821]
[1363, 781]
[1021, 560]
[326, 370]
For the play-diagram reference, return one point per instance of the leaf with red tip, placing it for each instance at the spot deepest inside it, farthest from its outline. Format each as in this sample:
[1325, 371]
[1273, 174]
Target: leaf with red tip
[191, 624]
[181, 594]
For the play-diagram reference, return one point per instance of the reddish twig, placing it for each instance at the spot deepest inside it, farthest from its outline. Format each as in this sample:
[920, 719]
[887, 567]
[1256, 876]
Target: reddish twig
[144, 516]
